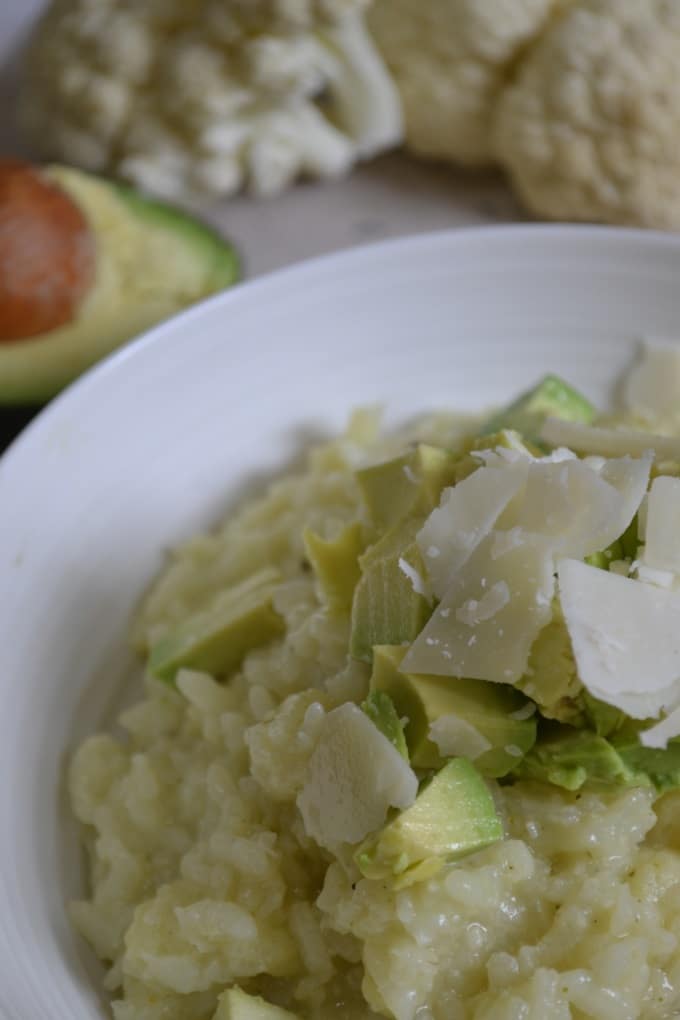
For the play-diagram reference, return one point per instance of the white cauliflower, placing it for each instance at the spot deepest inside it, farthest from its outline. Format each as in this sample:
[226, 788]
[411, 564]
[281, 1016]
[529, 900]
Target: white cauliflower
[577, 99]
[451, 60]
[590, 130]
[191, 97]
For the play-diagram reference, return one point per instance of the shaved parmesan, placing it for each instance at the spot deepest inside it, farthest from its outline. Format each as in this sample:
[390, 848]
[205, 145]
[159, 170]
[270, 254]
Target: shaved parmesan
[609, 442]
[625, 637]
[354, 776]
[650, 575]
[630, 477]
[467, 514]
[418, 582]
[456, 737]
[642, 518]
[651, 388]
[659, 735]
[578, 509]
[489, 639]
[492, 601]
[662, 526]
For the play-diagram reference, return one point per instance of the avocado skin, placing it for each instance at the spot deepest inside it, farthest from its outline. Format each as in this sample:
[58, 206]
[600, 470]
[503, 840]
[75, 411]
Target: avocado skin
[12, 420]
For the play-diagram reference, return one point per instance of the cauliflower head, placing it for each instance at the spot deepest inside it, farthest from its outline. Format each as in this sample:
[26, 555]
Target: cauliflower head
[589, 130]
[451, 60]
[203, 97]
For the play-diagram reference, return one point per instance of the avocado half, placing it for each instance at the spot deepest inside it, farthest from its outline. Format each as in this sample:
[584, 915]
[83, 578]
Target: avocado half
[150, 261]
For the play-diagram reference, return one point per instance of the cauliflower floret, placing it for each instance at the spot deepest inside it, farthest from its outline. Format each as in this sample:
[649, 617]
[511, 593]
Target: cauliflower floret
[192, 97]
[451, 59]
[590, 128]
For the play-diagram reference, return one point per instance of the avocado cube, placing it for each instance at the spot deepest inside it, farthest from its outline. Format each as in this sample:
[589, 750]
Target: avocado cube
[605, 719]
[380, 709]
[336, 563]
[386, 608]
[572, 758]
[405, 485]
[235, 1004]
[498, 713]
[552, 397]
[659, 767]
[217, 638]
[453, 815]
[604, 557]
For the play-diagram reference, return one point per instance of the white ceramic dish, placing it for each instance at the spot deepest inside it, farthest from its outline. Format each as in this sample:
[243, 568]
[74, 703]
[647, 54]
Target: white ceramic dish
[157, 441]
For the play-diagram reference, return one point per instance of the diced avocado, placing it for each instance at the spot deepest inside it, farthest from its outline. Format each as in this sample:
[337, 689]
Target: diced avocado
[604, 557]
[380, 709]
[551, 397]
[336, 563]
[393, 542]
[497, 712]
[570, 758]
[552, 679]
[624, 548]
[217, 638]
[660, 766]
[405, 485]
[387, 609]
[235, 1004]
[630, 540]
[507, 439]
[605, 719]
[453, 815]
[152, 260]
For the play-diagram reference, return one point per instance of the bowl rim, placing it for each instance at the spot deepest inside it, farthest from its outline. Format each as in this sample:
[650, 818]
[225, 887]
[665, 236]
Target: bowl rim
[297, 271]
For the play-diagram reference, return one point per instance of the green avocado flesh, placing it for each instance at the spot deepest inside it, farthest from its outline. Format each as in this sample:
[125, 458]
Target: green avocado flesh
[406, 485]
[216, 639]
[389, 606]
[235, 1004]
[336, 563]
[386, 609]
[500, 716]
[550, 398]
[572, 758]
[152, 261]
[453, 815]
[380, 709]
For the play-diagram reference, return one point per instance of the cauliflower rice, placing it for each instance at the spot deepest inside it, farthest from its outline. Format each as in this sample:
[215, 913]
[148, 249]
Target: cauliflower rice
[202, 875]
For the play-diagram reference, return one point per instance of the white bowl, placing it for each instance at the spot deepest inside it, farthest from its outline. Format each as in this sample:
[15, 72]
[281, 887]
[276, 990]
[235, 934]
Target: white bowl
[156, 442]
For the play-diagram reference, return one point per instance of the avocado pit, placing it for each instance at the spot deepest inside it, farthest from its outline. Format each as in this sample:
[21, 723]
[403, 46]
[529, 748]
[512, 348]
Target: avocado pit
[47, 254]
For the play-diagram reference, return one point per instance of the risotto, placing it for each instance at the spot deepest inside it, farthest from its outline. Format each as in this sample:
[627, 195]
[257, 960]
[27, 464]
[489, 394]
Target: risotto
[235, 822]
